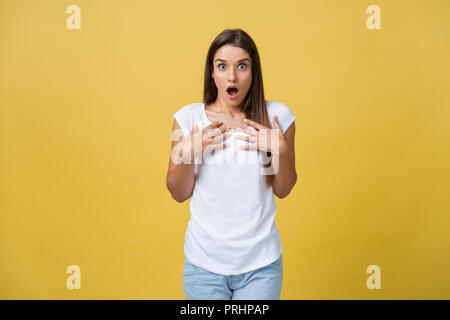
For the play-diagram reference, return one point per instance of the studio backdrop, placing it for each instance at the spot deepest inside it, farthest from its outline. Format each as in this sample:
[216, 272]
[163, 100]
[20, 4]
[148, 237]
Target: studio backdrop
[87, 95]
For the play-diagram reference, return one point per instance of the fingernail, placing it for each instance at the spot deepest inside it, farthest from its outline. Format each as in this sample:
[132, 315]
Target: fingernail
[245, 119]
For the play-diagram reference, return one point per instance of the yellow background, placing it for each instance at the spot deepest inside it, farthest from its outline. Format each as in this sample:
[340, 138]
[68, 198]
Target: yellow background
[86, 117]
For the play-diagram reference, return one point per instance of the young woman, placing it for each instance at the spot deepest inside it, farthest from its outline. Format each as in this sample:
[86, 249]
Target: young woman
[232, 244]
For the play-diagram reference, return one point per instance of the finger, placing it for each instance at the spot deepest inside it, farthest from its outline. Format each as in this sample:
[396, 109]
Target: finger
[215, 131]
[255, 124]
[213, 125]
[247, 138]
[220, 146]
[220, 138]
[249, 131]
[194, 128]
[275, 122]
[211, 133]
[252, 146]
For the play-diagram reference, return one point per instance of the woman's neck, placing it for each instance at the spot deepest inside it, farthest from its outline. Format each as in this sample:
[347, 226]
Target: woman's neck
[229, 110]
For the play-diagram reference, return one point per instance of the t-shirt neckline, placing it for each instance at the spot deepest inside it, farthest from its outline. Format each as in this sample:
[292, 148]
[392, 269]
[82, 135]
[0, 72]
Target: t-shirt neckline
[206, 117]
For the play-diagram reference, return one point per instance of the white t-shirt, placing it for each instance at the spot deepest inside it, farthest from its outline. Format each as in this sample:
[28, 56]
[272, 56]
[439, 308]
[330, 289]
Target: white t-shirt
[232, 229]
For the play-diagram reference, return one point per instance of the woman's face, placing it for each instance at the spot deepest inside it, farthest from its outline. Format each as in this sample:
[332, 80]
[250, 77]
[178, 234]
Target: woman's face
[232, 67]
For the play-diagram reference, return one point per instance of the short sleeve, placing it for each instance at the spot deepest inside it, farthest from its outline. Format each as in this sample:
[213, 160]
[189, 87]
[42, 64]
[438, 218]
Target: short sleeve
[184, 119]
[285, 116]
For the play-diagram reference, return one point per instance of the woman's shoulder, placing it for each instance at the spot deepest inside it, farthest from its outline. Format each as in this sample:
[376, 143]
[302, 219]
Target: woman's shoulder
[189, 108]
[187, 115]
[276, 106]
[285, 115]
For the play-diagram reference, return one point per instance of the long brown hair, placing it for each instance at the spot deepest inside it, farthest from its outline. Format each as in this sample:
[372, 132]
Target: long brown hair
[254, 104]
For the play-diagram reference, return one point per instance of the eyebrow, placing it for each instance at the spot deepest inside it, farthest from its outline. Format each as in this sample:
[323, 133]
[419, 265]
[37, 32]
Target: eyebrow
[226, 60]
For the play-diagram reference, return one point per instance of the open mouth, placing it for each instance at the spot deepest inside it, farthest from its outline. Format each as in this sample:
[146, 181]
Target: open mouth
[232, 92]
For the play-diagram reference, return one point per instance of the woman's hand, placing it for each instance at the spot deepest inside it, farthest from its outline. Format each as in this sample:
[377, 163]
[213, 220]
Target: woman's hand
[204, 141]
[264, 139]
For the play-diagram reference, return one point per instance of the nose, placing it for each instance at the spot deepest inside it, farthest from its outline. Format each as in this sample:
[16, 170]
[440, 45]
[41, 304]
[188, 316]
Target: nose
[231, 75]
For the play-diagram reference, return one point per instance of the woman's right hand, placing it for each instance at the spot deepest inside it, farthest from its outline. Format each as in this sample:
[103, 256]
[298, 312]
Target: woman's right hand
[203, 141]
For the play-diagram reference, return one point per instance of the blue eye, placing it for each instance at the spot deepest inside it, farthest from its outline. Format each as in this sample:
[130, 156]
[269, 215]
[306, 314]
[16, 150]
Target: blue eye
[222, 64]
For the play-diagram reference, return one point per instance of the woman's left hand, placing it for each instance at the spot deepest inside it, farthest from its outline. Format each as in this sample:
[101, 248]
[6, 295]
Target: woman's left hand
[264, 139]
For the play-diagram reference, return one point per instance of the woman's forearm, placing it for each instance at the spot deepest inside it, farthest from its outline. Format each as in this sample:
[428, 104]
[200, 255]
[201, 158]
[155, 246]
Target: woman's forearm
[285, 176]
[180, 181]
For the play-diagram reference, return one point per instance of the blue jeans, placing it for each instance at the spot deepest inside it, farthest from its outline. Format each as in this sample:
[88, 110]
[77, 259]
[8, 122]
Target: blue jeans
[259, 284]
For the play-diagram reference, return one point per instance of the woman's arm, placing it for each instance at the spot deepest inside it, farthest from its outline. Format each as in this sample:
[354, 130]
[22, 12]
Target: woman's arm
[286, 177]
[180, 177]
